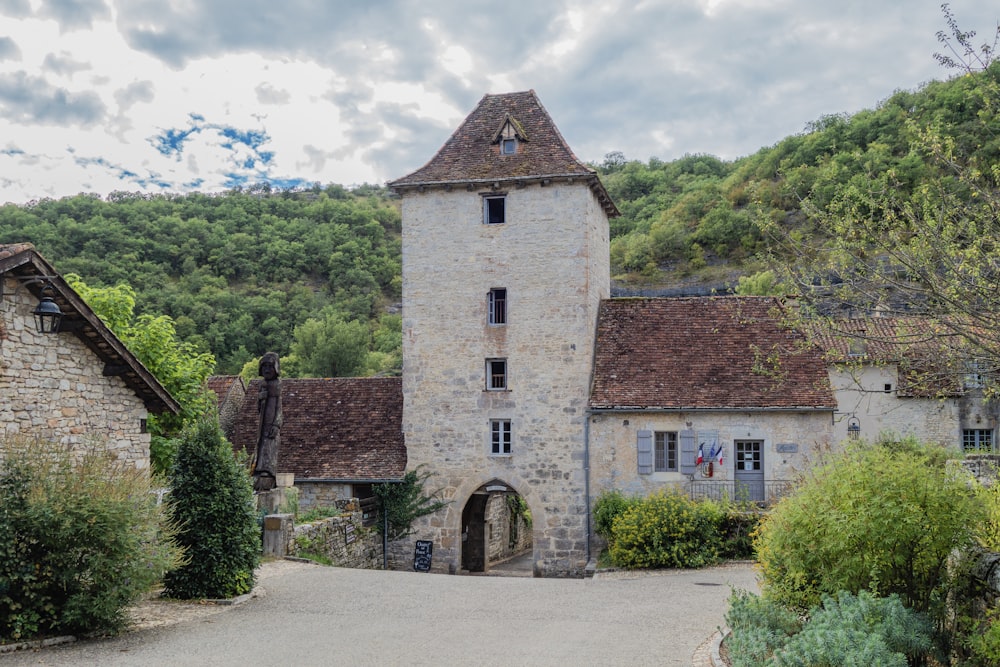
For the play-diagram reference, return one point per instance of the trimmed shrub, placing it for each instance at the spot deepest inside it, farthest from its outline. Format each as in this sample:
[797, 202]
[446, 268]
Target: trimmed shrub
[874, 518]
[211, 499]
[667, 530]
[81, 539]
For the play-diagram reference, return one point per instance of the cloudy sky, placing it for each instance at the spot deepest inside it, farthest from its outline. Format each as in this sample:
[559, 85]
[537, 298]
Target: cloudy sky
[180, 95]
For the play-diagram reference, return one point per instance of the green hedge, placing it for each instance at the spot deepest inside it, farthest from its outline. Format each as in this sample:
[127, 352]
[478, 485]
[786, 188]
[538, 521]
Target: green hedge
[81, 539]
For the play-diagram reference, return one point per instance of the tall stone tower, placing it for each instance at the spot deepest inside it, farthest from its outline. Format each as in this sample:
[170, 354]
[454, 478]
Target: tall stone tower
[505, 262]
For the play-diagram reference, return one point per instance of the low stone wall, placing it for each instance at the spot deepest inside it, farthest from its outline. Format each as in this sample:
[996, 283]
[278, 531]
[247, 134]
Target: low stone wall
[343, 539]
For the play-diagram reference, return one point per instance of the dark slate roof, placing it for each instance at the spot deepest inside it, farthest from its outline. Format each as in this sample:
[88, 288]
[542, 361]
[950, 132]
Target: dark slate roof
[705, 353]
[23, 262]
[472, 154]
[347, 429]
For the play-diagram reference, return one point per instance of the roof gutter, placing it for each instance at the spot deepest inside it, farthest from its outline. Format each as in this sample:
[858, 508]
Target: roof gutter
[810, 408]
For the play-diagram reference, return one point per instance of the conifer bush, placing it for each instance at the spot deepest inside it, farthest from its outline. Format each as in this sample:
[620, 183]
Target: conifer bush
[81, 539]
[212, 502]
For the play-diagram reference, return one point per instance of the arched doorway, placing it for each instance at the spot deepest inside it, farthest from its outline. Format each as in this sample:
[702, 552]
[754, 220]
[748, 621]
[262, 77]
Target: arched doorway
[496, 526]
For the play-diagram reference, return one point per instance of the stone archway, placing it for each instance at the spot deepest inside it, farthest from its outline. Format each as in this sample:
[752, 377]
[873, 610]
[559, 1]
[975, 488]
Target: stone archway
[496, 526]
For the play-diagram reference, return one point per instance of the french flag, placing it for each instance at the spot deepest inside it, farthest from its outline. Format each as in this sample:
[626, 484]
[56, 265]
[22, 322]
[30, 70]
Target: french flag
[701, 454]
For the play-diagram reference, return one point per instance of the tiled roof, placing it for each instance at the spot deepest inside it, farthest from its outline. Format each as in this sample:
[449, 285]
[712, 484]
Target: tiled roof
[221, 385]
[472, 153]
[334, 428]
[704, 353]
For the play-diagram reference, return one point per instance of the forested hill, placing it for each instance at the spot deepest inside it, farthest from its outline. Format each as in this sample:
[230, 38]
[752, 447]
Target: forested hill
[314, 274]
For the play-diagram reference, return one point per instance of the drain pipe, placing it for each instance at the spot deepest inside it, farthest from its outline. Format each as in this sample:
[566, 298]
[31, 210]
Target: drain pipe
[586, 476]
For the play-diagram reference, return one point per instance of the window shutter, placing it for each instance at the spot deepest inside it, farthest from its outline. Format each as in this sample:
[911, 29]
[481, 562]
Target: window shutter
[644, 444]
[689, 453]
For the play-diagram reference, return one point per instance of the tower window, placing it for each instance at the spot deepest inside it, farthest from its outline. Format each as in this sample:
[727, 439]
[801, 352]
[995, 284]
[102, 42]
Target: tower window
[509, 146]
[498, 305]
[500, 436]
[494, 212]
[496, 374]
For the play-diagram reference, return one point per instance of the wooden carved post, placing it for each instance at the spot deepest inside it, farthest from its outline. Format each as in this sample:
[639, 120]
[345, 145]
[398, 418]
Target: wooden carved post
[265, 468]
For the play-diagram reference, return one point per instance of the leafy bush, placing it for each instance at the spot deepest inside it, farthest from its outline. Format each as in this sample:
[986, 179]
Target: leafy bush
[607, 507]
[402, 502]
[738, 527]
[81, 539]
[984, 646]
[873, 518]
[846, 630]
[211, 499]
[667, 530]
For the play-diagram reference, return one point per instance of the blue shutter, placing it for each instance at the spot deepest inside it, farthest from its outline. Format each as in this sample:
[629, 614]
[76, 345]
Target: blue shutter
[644, 444]
[689, 453]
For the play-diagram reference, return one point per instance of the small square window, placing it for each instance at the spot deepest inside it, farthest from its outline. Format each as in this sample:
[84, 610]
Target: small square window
[496, 374]
[498, 305]
[500, 436]
[494, 212]
[509, 146]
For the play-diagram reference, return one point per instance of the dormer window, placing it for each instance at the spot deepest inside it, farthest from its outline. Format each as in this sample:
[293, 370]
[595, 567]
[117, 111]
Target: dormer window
[508, 146]
[508, 136]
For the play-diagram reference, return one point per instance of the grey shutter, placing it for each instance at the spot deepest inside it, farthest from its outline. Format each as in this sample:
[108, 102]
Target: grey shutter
[689, 453]
[644, 444]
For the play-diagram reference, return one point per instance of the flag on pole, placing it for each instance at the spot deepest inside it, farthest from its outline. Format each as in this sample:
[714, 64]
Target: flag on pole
[701, 454]
[720, 455]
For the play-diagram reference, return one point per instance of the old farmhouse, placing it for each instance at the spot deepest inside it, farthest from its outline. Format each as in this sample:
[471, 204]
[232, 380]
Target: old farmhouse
[68, 379]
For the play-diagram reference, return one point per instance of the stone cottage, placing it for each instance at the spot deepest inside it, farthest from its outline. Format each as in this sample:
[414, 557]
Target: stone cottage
[78, 385]
[714, 395]
[338, 435]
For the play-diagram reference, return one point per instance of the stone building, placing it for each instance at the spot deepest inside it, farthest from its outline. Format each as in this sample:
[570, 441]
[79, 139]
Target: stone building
[505, 264]
[723, 376]
[338, 435]
[79, 385]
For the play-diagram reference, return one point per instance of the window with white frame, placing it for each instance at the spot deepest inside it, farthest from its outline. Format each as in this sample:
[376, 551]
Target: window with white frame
[498, 305]
[665, 451]
[500, 436]
[494, 209]
[977, 440]
[496, 374]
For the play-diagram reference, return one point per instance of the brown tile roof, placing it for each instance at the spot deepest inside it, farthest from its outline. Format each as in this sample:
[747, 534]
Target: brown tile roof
[928, 354]
[472, 153]
[704, 353]
[334, 428]
[221, 385]
[22, 261]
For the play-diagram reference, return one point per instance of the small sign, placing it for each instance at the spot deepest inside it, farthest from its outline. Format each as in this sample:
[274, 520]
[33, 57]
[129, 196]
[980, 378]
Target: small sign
[422, 555]
[349, 535]
[787, 448]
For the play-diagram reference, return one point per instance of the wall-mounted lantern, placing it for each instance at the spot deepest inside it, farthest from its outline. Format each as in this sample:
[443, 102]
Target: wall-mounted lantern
[47, 314]
[853, 428]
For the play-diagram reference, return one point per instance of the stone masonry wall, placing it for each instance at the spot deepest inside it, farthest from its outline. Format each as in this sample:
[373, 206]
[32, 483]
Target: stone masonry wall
[343, 539]
[498, 519]
[53, 388]
[551, 255]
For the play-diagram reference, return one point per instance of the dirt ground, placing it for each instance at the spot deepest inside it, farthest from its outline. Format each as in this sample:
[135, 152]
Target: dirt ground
[155, 611]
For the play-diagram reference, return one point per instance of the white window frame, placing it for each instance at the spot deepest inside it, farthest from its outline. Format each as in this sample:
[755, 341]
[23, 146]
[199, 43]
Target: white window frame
[497, 306]
[491, 201]
[501, 437]
[665, 444]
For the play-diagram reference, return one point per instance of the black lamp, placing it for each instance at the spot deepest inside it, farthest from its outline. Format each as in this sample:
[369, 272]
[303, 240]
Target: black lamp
[853, 428]
[47, 314]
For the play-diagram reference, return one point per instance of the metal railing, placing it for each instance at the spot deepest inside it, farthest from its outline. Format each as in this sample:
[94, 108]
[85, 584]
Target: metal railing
[764, 492]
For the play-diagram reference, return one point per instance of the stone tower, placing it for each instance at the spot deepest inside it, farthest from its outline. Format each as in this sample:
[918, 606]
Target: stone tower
[505, 263]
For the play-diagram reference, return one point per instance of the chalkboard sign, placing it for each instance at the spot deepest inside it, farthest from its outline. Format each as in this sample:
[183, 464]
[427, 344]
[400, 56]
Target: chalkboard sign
[422, 555]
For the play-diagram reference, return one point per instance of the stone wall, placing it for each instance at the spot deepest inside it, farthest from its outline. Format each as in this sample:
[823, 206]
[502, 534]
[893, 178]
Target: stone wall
[322, 494]
[506, 538]
[343, 539]
[551, 255]
[53, 387]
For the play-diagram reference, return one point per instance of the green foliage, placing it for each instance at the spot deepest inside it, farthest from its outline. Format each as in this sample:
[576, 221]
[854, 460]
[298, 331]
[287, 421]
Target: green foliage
[762, 283]
[331, 346]
[983, 646]
[667, 530]
[316, 513]
[178, 366]
[847, 630]
[211, 499]
[81, 539]
[879, 519]
[404, 501]
[608, 506]
[738, 526]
